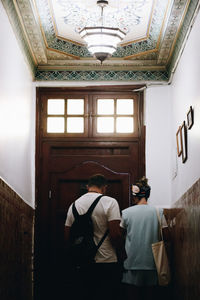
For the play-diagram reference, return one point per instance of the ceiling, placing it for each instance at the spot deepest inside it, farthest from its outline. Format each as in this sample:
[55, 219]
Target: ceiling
[48, 32]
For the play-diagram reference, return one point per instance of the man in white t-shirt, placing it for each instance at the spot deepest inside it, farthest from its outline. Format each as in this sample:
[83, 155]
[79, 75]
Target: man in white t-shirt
[101, 279]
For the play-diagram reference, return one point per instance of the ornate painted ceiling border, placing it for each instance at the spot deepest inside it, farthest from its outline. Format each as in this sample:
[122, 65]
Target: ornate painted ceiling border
[151, 43]
[101, 75]
[175, 18]
[31, 29]
[184, 32]
[18, 31]
[10, 7]
[51, 40]
[49, 35]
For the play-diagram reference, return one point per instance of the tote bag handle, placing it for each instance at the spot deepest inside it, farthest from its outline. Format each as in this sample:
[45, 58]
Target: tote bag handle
[159, 224]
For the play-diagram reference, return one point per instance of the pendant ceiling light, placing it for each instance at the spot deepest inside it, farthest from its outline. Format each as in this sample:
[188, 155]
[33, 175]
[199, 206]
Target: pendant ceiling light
[102, 41]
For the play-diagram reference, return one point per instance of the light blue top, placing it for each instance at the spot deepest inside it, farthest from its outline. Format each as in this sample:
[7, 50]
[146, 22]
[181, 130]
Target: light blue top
[141, 224]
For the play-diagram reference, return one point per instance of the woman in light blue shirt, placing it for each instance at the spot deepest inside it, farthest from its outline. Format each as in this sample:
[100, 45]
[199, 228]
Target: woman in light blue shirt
[140, 223]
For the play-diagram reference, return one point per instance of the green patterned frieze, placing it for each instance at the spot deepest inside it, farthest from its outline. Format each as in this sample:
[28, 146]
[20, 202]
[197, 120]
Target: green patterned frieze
[101, 75]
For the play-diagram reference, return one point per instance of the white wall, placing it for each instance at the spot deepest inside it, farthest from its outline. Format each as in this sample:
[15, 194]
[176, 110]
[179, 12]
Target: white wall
[166, 108]
[17, 115]
[185, 93]
[158, 147]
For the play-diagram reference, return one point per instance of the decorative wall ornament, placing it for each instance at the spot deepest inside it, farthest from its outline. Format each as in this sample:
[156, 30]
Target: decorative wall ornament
[190, 118]
[179, 143]
[184, 142]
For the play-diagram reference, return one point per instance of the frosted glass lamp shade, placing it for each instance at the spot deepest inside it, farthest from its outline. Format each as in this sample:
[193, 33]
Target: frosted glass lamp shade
[102, 41]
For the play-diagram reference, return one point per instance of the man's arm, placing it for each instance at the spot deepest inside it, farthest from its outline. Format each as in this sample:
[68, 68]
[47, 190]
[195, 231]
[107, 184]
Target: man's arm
[117, 239]
[68, 223]
[67, 234]
[115, 233]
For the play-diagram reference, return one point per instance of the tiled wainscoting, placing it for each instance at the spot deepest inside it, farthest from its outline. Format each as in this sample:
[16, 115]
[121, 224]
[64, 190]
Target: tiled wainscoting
[16, 246]
[184, 221]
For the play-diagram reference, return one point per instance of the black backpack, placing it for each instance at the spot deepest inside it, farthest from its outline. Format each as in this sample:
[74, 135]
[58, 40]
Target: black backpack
[82, 249]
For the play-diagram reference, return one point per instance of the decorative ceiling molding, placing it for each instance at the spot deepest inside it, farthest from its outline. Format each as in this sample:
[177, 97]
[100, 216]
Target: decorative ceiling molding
[70, 17]
[18, 31]
[48, 30]
[176, 18]
[31, 30]
[137, 48]
[193, 9]
[101, 76]
[151, 58]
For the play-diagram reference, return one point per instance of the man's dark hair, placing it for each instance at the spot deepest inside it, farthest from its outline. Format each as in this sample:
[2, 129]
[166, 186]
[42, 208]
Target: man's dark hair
[97, 180]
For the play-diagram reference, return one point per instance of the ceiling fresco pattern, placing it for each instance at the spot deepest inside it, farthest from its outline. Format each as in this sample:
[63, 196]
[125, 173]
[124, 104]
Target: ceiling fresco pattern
[73, 15]
[48, 32]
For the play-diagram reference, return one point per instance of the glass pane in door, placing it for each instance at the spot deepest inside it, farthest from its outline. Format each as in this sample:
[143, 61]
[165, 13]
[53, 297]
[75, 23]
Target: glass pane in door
[124, 125]
[105, 106]
[55, 125]
[75, 125]
[105, 125]
[56, 107]
[125, 106]
[75, 106]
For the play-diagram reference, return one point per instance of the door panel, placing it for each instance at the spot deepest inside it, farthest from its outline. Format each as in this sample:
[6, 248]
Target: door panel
[66, 187]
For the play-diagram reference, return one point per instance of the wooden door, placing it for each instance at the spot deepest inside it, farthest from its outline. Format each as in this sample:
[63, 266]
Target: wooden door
[63, 168]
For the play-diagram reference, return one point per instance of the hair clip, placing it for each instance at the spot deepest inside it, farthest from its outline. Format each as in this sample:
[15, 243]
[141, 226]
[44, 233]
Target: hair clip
[135, 190]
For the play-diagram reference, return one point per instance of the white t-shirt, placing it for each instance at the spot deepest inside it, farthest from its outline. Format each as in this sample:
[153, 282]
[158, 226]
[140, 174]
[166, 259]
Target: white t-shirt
[107, 209]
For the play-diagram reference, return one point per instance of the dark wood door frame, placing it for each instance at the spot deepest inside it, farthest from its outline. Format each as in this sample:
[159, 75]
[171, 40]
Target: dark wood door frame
[91, 89]
[41, 140]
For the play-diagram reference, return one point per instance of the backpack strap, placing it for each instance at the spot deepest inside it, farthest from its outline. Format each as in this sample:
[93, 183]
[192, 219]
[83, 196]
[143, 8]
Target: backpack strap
[92, 206]
[75, 212]
[90, 209]
[102, 239]
[89, 212]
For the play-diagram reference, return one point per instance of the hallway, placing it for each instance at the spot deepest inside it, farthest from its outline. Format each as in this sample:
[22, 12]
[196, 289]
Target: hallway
[39, 166]
[17, 259]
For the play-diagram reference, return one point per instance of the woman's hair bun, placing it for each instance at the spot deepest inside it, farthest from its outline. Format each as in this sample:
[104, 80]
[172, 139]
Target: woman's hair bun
[143, 181]
[144, 188]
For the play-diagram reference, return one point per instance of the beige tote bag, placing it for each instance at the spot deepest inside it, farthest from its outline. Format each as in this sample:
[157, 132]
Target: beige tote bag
[160, 258]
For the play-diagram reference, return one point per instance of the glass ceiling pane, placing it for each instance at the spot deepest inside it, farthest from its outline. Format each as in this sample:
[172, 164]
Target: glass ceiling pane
[56, 107]
[124, 125]
[55, 125]
[125, 106]
[105, 125]
[75, 106]
[75, 125]
[105, 106]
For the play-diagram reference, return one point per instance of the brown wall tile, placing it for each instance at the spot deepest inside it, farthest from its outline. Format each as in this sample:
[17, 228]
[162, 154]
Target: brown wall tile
[184, 224]
[16, 246]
